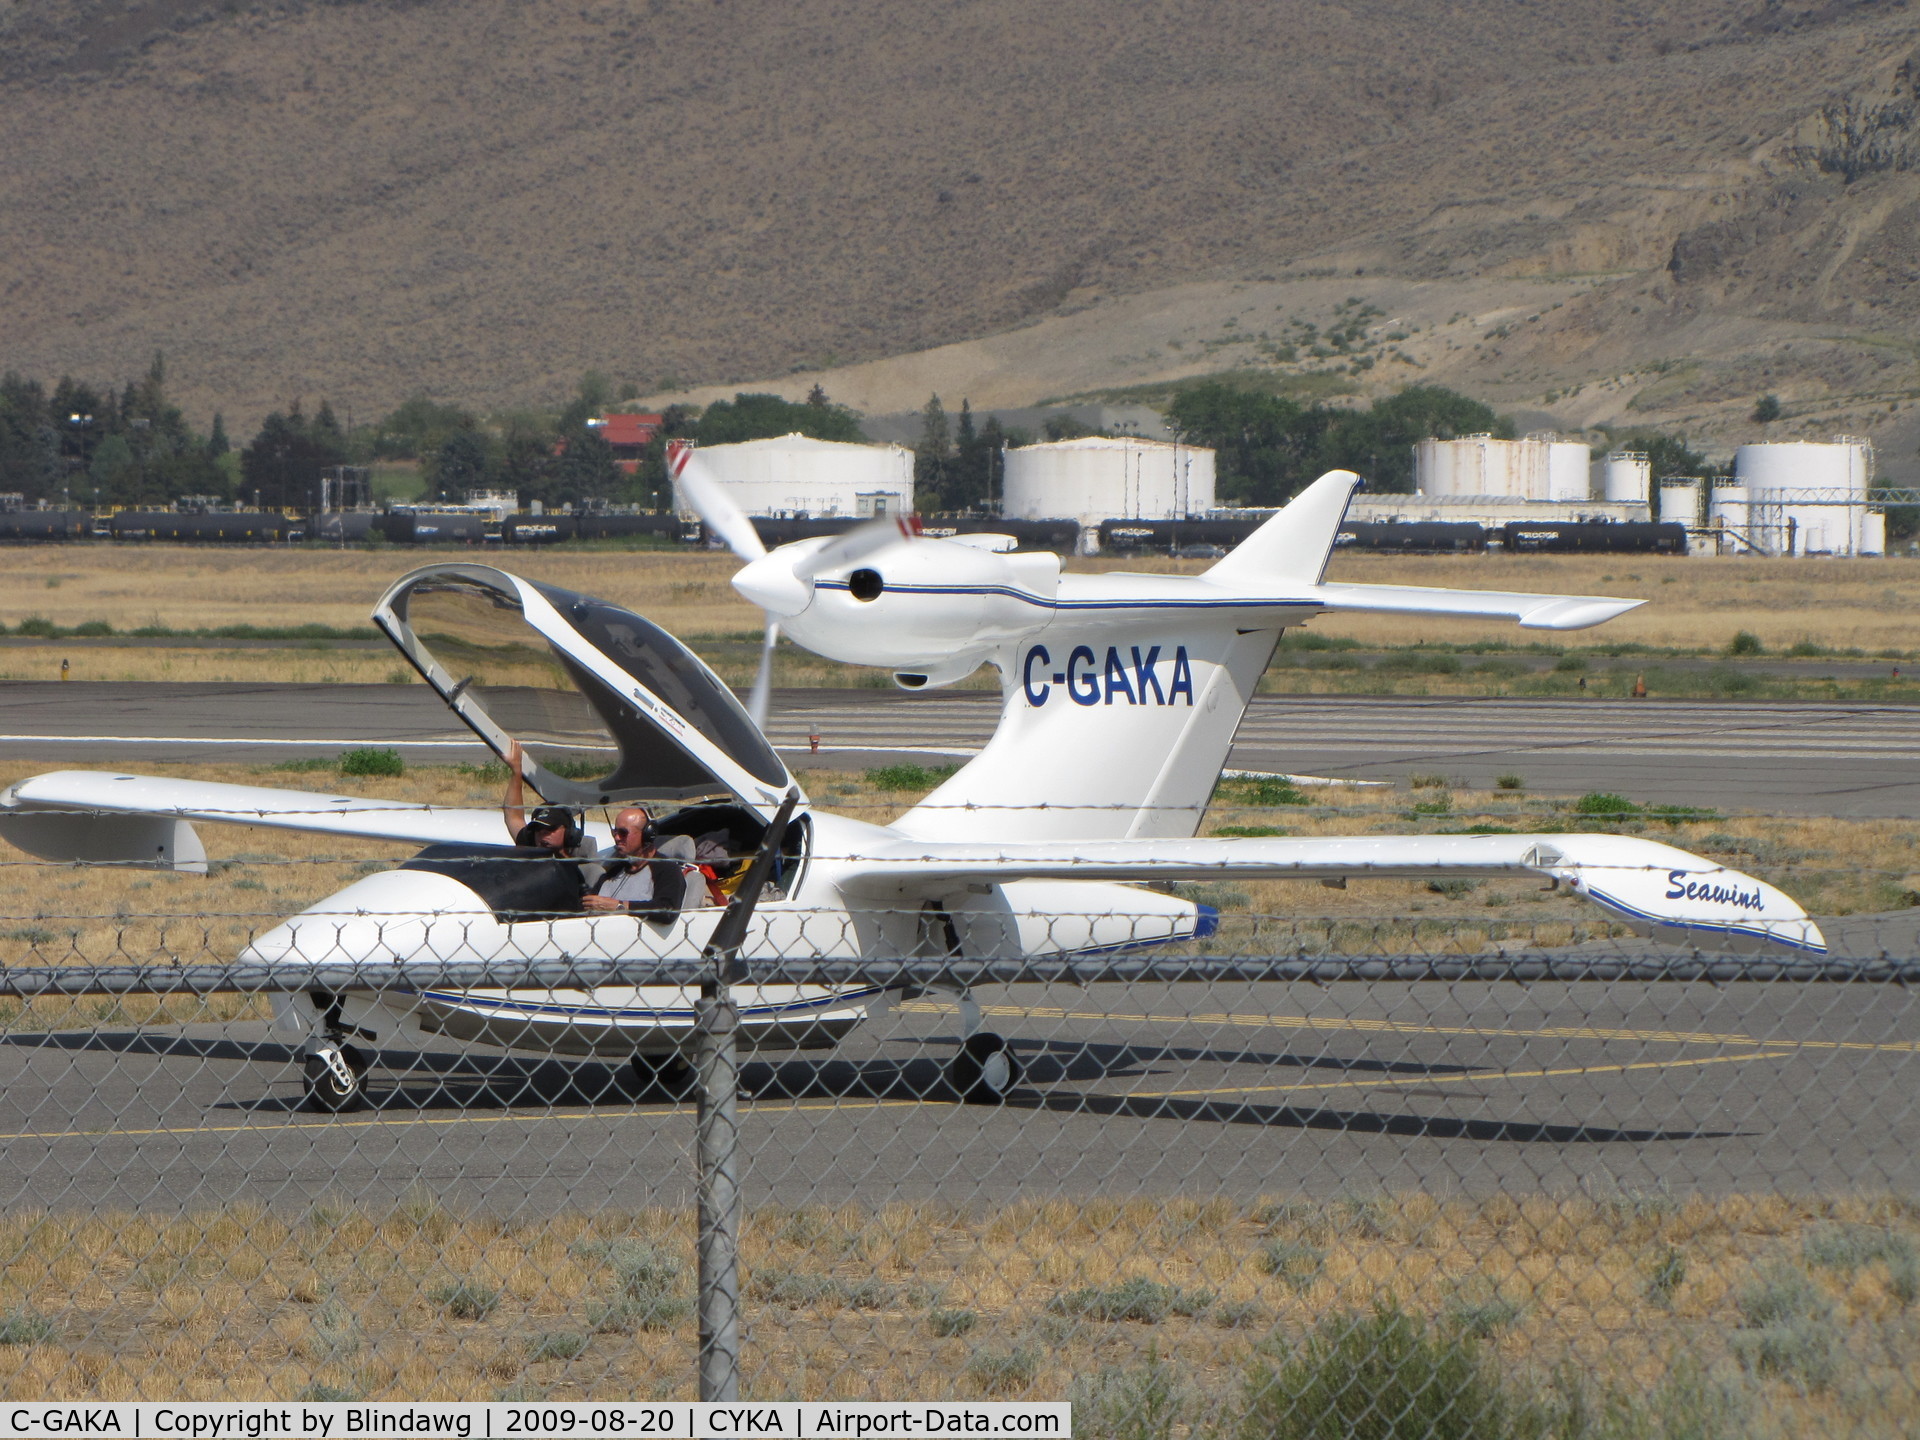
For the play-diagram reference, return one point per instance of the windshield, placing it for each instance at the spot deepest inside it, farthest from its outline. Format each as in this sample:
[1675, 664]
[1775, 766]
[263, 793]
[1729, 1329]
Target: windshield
[674, 674]
[594, 738]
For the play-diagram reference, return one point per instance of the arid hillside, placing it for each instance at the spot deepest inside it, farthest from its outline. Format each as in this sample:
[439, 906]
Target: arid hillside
[366, 198]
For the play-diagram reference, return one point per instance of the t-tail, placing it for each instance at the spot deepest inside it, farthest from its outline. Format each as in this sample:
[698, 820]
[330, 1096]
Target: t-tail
[1120, 704]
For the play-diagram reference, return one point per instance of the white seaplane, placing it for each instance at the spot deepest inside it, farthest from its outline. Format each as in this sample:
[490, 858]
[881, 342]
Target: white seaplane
[1121, 694]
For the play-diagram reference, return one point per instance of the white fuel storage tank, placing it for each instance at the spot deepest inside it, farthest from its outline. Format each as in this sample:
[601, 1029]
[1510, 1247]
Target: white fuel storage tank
[1626, 476]
[795, 475]
[1680, 498]
[1099, 478]
[1540, 467]
[1809, 498]
[1727, 503]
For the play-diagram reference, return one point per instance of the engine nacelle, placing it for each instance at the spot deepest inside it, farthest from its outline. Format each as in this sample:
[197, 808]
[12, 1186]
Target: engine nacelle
[926, 605]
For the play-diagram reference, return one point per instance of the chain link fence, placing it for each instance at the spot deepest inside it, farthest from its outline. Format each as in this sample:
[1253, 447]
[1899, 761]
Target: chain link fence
[1319, 1173]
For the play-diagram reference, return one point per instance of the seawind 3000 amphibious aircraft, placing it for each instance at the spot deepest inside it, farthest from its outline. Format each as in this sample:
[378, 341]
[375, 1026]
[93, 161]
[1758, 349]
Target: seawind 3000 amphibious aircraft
[1120, 697]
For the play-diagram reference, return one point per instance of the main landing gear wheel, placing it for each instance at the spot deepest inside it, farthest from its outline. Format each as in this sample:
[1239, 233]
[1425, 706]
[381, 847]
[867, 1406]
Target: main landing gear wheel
[672, 1073]
[335, 1076]
[985, 1070]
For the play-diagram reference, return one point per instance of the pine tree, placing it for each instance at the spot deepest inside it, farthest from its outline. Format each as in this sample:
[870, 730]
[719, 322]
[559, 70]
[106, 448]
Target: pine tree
[967, 476]
[459, 466]
[993, 446]
[932, 458]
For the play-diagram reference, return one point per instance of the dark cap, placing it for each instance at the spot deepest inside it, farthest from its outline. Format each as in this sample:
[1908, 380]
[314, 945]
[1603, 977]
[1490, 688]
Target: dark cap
[551, 817]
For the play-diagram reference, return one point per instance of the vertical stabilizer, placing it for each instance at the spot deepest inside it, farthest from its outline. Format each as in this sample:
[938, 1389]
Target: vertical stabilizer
[1120, 710]
[1291, 549]
[1112, 727]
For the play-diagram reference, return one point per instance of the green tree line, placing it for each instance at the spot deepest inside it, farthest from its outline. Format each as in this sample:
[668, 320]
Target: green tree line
[100, 445]
[1268, 447]
[88, 444]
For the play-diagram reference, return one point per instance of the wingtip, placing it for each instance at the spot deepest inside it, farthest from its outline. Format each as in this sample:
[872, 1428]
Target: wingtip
[1576, 612]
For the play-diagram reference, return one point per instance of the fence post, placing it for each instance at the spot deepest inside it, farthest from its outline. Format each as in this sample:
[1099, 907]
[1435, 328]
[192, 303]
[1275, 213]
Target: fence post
[716, 1143]
[716, 1026]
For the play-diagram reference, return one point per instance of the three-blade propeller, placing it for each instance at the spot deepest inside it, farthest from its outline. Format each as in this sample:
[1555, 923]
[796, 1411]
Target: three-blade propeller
[780, 582]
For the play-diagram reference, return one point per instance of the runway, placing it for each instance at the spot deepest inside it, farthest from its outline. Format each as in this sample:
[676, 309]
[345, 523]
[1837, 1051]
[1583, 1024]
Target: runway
[1847, 760]
[1130, 1090]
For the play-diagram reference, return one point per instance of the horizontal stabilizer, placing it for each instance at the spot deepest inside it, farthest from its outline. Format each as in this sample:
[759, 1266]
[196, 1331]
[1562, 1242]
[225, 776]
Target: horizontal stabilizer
[1534, 612]
[1292, 547]
[1665, 892]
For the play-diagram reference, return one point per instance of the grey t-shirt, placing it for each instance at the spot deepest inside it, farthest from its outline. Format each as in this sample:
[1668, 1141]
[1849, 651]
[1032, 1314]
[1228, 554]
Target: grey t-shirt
[634, 887]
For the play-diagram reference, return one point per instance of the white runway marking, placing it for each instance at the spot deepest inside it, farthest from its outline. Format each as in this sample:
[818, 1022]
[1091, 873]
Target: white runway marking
[472, 740]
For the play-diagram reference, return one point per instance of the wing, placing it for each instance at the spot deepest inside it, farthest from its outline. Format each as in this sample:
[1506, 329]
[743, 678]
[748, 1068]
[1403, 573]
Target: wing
[1662, 891]
[147, 821]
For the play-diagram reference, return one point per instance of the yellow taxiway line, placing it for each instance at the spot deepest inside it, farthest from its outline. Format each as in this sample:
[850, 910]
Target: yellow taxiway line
[1401, 1027]
[1380, 1082]
[396, 1122]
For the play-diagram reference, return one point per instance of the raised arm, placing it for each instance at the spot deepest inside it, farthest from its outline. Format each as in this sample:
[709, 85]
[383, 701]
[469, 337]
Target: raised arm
[513, 807]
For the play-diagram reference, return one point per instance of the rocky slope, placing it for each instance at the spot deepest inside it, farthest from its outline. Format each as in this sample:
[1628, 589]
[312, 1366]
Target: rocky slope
[484, 199]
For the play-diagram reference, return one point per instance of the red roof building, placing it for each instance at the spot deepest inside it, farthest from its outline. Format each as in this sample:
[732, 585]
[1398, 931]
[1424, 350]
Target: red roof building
[629, 435]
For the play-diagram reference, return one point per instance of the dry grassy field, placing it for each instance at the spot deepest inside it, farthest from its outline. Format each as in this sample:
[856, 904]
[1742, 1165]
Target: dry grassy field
[1694, 607]
[1753, 1315]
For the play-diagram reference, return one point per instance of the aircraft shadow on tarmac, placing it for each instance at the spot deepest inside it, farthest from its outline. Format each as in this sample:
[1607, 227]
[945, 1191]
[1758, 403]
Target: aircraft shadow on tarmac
[429, 1081]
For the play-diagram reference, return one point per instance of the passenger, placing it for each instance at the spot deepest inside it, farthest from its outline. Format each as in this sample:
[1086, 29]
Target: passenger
[637, 879]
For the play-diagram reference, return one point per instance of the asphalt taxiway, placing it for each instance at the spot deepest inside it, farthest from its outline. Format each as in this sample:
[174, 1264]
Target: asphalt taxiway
[1803, 758]
[1152, 1090]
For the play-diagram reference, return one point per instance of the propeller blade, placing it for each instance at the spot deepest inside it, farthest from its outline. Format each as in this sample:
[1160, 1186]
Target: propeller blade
[763, 682]
[708, 499]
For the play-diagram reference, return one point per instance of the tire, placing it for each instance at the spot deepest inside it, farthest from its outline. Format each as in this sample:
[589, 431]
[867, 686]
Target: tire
[327, 1091]
[985, 1071]
[672, 1073]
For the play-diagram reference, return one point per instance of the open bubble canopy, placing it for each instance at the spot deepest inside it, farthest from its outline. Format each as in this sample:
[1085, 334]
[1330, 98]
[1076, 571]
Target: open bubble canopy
[582, 685]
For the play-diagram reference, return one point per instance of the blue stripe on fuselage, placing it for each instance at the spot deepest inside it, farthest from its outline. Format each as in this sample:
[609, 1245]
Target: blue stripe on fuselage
[1042, 602]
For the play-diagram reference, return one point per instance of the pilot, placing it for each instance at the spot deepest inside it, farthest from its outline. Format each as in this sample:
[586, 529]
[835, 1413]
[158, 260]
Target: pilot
[552, 827]
[637, 878]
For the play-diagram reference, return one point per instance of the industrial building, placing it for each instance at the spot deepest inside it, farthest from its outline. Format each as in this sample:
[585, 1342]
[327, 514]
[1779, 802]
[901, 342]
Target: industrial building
[1100, 478]
[795, 477]
[628, 434]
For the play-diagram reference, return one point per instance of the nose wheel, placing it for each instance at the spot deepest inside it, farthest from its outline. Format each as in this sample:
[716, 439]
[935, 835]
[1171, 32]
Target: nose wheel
[335, 1075]
[985, 1071]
